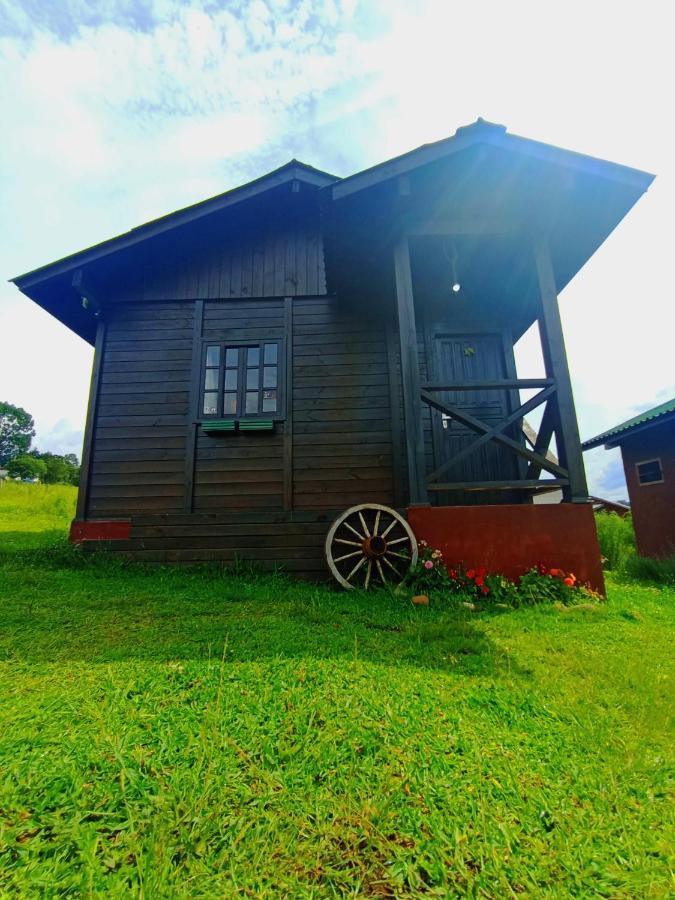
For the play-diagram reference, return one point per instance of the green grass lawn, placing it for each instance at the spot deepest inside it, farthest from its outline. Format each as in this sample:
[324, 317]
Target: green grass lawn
[187, 733]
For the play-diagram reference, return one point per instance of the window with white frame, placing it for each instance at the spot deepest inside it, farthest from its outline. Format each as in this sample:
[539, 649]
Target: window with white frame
[649, 471]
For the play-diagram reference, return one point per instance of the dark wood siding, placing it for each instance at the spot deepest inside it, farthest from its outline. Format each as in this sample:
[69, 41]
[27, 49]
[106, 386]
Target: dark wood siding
[273, 258]
[268, 540]
[138, 451]
[252, 495]
[342, 448]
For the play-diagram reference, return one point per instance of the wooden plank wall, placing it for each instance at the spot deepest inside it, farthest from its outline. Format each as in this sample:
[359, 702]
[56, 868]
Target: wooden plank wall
[342, 443]
[282, 258]
[341, 439]
[138, 451]
[341, 450]
[270, 541]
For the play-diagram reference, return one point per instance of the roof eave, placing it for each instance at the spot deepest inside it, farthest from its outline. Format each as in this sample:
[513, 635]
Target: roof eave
[614, 438]
[489, 134]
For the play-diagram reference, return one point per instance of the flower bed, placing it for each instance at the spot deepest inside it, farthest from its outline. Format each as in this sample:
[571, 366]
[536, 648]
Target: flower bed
[434, 576]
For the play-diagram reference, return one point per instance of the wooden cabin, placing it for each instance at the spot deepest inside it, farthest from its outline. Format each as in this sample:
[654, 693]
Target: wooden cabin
[647, 443]
[270, 357]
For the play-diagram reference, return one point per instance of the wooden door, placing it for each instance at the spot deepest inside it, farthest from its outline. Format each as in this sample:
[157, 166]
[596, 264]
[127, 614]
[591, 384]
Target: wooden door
[472, 357]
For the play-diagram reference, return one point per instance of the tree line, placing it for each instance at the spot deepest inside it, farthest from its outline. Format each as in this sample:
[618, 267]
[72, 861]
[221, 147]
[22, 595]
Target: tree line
[21, 460]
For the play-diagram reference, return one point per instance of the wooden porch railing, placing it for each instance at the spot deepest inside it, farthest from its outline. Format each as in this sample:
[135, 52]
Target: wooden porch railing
[536, 457]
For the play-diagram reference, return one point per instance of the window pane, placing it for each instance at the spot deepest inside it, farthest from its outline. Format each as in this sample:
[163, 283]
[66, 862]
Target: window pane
[649, 472]
[253, 357]
[229, 404]
[210, 403]
[269, 401]
[271, 354]
[231, 379]
[213, 356]
[211, 380]
[232, 357]
[252, 379]
[252, 402]
[270, 377]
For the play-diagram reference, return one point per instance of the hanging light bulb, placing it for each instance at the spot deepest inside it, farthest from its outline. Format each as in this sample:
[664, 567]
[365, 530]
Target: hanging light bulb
[452, 255]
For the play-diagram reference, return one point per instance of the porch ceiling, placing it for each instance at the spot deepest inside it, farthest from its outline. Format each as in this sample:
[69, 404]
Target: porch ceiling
[489, 198]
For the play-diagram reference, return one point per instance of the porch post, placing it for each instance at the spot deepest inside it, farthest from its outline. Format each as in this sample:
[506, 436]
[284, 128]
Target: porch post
[410, 375]
[555, 360]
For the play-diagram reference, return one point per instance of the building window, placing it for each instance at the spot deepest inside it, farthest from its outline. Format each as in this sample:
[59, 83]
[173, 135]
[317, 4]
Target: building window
[649, 472]
[241, 380]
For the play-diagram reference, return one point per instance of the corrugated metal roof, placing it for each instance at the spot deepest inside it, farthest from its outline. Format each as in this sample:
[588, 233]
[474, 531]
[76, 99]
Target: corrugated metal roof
[635, 422]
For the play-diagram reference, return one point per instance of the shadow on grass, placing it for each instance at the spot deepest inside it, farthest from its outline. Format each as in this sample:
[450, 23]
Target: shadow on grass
[60, 605]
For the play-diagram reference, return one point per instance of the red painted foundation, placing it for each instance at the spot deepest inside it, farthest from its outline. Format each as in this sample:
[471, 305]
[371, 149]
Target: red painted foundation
[115, 530]
[511, 539]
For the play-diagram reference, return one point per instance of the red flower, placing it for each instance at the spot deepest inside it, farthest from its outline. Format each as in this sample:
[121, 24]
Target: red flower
[569, 581]
[554, 572]
[486, 590]
[453, 573]
[482, 573]
[480, 581]
[470, 574]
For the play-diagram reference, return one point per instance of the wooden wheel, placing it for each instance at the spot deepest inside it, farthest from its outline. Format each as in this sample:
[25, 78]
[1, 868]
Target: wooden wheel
[370, 544]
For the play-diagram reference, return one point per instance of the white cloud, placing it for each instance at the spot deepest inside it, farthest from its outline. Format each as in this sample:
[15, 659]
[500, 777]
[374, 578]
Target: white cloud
[64, 437]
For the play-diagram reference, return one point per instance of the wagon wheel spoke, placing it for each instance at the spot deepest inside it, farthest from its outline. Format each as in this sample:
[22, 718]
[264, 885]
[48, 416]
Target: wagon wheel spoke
[348, 556]
[399, 540]
[377, 521]
[389, 527]
[356, 568]
[380, 571]
[391, 566]
[361, 536]
[369, 572]
[351, 543]
[363, 523]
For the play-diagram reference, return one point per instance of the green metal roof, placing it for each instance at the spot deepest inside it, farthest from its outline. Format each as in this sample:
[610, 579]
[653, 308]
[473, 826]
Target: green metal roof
[611, 436]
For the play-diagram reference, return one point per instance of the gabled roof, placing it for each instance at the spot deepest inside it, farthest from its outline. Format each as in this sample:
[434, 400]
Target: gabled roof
[489, 133]
[615, 435]
[582, 219]
[291, 171]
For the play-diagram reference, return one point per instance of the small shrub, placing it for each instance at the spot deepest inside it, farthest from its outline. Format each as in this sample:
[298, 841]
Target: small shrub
[616, 538]
[660, 571]
[430, 576]
[542, 585]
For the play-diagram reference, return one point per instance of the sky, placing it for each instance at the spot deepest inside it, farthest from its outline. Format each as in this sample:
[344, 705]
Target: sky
[117, 111]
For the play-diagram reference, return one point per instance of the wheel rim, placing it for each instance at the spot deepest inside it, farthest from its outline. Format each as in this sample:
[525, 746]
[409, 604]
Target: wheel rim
[370, 545]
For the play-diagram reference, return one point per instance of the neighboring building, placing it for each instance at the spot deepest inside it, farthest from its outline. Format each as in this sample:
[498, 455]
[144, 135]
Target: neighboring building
[601, 504]
[647, 446]
[305, 343]
[542, 496]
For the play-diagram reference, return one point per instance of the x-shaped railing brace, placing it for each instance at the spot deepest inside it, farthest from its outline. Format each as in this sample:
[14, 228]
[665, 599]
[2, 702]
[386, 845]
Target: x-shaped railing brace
[494, 433]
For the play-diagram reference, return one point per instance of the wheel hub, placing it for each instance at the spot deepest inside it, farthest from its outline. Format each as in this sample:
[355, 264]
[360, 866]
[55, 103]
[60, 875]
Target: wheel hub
[374, 546]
